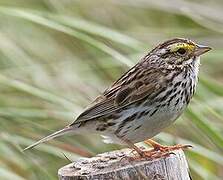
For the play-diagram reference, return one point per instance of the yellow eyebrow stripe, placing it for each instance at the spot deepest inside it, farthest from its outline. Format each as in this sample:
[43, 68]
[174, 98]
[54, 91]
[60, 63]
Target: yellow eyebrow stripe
[175, 47]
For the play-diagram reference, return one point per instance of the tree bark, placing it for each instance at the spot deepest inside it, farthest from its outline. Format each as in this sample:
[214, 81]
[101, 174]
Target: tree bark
[119, 165]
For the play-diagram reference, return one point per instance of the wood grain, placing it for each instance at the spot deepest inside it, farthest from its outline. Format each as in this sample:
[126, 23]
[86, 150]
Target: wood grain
[115, 165]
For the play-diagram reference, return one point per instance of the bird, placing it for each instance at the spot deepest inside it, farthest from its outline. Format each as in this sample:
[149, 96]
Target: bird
[145, 100]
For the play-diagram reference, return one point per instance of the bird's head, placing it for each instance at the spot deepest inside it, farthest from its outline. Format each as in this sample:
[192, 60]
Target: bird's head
[180, 51]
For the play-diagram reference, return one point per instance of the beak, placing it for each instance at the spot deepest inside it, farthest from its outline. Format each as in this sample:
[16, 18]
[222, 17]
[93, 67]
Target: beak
[200, 49]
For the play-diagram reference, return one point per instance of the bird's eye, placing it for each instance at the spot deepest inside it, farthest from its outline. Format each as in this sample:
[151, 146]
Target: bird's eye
[181, 51]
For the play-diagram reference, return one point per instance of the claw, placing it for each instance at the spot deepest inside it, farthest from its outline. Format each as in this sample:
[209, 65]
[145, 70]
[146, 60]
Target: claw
[188, 146]
[172, 153]
[157, 151]
[159, 147]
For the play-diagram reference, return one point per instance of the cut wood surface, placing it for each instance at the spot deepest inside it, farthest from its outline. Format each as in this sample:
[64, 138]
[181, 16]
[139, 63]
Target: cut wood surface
[118, 165]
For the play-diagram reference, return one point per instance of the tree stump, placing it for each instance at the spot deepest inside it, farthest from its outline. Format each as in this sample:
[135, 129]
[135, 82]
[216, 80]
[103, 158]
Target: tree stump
[117, 165]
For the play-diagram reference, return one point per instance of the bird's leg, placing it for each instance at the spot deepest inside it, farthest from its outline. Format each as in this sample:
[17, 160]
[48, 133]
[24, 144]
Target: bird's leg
[133, 146]
[162, 148]
[142, 154]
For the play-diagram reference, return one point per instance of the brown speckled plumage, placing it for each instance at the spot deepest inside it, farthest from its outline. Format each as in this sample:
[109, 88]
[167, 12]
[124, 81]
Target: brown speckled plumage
[147, 98]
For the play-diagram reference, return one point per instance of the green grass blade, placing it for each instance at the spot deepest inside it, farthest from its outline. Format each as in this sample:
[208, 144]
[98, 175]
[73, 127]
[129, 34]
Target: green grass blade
[50, 97]
[197, 149]
[59, 27]
[97, 29]
[207, 129]
[212, 85]
[8, 174]
[202, 172]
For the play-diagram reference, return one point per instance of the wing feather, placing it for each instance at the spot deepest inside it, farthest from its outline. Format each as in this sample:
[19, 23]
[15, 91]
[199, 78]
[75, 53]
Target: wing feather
[127, 90]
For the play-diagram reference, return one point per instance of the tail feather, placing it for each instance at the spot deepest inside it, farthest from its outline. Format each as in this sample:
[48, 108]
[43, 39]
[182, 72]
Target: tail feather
[51, 136]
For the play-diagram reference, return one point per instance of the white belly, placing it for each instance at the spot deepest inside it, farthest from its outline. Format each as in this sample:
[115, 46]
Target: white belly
[151, 126]
[147, 126]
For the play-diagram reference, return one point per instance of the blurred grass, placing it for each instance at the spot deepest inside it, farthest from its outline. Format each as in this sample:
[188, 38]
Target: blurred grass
[57, 56]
